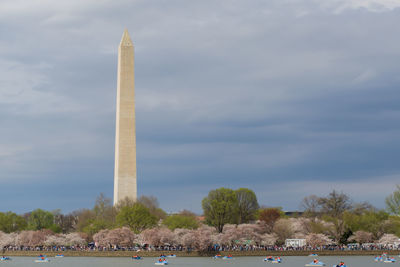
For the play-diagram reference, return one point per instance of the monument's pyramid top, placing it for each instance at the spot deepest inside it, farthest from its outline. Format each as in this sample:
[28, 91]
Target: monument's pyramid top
[126, 39]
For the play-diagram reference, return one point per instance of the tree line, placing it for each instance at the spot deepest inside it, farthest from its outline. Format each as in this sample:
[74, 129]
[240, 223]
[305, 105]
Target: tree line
[333, 218]
[142, 214]
[335, 215]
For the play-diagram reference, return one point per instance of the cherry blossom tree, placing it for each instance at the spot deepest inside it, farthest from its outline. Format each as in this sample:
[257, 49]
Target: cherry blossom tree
[249, 233]
[120, 237]
[199, 239]
[151, 237]
[7, 239]
[362, 237]
[229, 235]
[188, 239]
[159, 236]
[300, 226]
[100, 238]
[74, 239]
[166, 236]
[55, 240]
[179, 233]
[216, 238]
[317, 240]
[388, 239]
[32, 238]
[268, 239]
[203, 237]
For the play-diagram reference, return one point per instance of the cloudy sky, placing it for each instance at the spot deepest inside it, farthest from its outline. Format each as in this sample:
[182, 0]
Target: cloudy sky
[286, 97]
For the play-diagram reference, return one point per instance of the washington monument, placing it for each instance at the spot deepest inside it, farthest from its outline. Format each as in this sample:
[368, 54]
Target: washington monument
[125, 136]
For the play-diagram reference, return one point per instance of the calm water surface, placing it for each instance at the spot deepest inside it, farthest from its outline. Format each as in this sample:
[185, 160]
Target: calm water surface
[351, 261]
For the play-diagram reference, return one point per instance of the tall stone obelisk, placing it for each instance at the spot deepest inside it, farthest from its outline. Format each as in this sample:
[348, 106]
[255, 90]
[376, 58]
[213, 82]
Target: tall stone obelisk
[125, 137]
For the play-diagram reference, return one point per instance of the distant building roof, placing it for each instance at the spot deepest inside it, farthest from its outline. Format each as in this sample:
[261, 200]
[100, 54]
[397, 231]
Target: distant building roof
[292, 213]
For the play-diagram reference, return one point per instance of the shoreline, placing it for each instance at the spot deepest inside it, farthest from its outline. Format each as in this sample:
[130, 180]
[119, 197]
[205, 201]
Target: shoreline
[261, 253]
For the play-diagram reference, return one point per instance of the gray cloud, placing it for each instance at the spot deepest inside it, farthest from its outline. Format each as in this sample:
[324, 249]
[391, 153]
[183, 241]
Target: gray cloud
[296, 95]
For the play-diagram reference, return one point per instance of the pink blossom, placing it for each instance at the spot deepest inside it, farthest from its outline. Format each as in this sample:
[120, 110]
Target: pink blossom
[362, 237]
[389, 239]
[317, 240]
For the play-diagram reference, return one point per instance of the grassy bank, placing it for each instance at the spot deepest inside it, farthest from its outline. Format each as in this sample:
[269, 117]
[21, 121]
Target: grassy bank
[196, 254]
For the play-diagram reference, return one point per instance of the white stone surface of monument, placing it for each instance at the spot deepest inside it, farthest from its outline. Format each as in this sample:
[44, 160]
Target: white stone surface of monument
[125, 176]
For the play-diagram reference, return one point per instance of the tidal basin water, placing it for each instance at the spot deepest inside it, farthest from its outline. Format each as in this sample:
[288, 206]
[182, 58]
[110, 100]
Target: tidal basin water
[350, 261]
